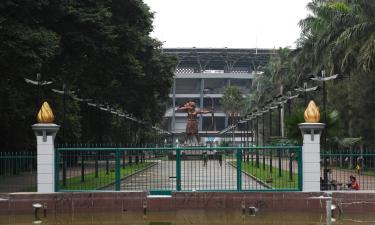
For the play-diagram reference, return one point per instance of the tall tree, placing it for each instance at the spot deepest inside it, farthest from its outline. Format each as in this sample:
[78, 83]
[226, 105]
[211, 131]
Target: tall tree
[233, 102]
[100, 49]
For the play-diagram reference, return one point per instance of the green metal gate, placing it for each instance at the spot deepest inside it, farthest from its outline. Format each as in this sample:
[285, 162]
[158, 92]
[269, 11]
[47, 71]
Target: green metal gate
[163, 170]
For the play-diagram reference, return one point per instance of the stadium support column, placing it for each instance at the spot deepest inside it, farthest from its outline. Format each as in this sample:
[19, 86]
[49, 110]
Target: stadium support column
[173, 125]
[201, 104]
[226, 116]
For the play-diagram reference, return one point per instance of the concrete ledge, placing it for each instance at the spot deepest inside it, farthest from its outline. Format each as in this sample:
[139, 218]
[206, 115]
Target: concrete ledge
[350, 201]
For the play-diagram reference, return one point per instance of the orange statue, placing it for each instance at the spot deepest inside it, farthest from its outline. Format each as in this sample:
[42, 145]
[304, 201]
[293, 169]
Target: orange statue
[192, 122]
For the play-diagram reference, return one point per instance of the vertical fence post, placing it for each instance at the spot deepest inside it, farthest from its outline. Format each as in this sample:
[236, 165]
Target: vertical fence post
[117, 169]
[64, 169]
[271, 161]
[299, 152]
[279, 156]
[239, 169]
[107, 166]
[290, 164]
[96, 164]
[178, 169]
[264, 158]
[82, 167]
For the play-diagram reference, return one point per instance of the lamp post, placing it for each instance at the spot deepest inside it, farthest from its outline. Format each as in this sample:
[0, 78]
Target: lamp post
[323, 79]
[257, 139]
[63, 92]
[264, 111]
[38, 82]
[289, 99]
[305, 90]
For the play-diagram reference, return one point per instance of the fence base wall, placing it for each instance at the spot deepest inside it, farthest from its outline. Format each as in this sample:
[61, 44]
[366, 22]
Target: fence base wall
[134, 201]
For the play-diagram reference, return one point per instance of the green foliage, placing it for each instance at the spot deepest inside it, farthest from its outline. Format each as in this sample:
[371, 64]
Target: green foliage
[278, 75]
[294, 133]
[99, 49]
[232, 101]
[338, 36]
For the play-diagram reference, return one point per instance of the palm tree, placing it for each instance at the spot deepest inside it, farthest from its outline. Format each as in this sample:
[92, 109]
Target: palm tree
[233, 102]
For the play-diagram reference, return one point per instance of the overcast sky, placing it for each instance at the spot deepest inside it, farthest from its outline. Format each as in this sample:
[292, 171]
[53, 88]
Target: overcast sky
[227, 23]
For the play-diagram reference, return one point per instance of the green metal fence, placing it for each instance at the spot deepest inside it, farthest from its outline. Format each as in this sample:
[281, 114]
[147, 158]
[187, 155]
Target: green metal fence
[17, 171]
[162, 170]
[341, 164]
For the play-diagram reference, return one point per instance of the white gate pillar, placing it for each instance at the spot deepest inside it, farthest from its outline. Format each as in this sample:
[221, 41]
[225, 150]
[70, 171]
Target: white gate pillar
[45, 132]
[311, 132]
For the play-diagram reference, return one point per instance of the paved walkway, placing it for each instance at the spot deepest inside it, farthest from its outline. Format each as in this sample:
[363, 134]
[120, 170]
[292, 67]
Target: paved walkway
[194, 177]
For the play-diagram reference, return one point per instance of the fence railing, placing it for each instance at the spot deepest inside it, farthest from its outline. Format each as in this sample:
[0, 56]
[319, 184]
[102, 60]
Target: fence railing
[341, 164]
[18, 171]
[161, 170]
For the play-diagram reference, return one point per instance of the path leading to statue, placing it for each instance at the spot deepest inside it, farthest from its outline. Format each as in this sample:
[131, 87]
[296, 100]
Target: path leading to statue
[195, 176]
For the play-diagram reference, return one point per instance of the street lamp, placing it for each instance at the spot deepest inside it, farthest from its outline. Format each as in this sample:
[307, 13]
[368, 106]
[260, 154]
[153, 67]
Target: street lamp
[64, 92]
[39, 83]
[305, 90]
[278, 105]
[323, 79]
[288, 100]
[263, 112]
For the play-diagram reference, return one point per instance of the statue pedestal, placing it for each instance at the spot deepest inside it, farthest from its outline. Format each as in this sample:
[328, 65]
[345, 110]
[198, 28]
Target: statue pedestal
[311, 155]
[45, 135]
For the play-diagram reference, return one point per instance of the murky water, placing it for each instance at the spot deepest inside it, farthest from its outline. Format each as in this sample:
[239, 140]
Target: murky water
[186, 217]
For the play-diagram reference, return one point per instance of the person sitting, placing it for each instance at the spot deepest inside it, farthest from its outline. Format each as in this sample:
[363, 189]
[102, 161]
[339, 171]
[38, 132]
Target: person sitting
[354, 185]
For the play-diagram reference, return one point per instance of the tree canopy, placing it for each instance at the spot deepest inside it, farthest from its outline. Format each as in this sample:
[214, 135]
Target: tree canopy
[338, 36]
[233, 102]
[101, 50]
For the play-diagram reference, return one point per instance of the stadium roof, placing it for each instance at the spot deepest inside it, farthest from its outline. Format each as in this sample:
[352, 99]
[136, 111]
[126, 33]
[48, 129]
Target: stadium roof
[227, 59]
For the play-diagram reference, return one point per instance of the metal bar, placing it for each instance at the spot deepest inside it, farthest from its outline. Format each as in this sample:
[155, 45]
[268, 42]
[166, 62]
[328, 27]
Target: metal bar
[181, 148]
[299, 151]
[178, 169]
[82, 167]
[290, 166]
[239, 169]
[117, 170]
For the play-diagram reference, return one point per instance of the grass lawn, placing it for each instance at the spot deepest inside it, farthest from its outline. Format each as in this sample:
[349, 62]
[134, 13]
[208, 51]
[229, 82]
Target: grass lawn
[93, 183]
[278, 182]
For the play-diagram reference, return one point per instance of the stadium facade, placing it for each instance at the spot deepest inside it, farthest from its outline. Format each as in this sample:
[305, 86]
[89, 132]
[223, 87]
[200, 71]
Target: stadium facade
[202, 75]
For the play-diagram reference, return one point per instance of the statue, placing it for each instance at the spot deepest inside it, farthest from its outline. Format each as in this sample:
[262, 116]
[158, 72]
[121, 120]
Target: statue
[192, 137]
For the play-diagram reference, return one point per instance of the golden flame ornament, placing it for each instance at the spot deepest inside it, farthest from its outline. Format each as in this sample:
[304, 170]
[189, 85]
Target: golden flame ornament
[45, 114]
[312, 114]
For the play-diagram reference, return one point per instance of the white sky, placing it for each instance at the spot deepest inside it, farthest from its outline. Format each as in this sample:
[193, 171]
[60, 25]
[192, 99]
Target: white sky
[227, 23]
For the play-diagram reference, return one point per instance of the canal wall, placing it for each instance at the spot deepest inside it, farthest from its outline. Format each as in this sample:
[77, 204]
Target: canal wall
[348, 202]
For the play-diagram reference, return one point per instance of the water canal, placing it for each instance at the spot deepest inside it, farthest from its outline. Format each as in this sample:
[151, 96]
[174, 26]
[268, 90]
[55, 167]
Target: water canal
[187, 217]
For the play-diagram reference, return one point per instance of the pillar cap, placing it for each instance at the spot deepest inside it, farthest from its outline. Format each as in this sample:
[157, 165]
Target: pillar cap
[45, 129]
[309, 126]
[311, 129]
[45, 126]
